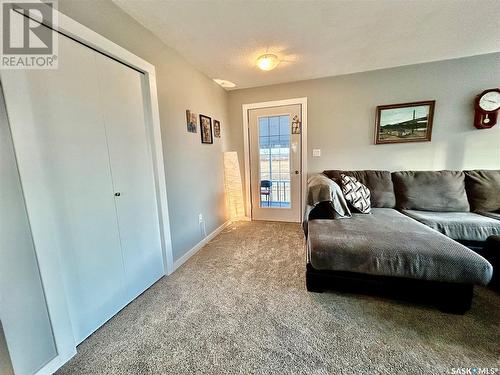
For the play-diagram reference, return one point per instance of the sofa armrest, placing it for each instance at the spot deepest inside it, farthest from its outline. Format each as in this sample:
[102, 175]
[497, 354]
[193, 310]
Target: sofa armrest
[326, 195]
[492, 253]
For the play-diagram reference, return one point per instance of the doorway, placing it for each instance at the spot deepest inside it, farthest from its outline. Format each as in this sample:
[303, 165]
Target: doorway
[274, 159]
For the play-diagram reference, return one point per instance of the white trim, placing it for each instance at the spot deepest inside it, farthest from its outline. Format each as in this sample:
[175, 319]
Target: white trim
[65, 342]
[183, 259]
[304, 156]
[159, 173]
[246, 152]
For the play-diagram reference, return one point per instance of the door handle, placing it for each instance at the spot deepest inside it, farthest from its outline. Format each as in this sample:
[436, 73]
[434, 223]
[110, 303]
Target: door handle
[117, 194]
[297, 172]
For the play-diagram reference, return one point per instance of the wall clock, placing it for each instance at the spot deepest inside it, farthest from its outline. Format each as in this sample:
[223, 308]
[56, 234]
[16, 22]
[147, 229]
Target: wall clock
[486, 106]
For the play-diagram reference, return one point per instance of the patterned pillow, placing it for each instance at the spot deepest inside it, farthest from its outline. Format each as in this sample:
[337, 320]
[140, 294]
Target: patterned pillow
[357, 194]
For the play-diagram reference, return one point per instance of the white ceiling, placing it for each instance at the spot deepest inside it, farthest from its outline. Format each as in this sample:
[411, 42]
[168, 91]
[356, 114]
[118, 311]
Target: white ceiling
[223, 38]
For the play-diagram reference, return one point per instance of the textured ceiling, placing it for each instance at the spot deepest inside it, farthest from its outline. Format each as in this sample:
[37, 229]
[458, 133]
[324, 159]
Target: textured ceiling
[223, 38]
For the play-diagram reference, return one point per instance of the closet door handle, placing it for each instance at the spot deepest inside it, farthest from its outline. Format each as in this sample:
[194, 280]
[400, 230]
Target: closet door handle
[117, 194]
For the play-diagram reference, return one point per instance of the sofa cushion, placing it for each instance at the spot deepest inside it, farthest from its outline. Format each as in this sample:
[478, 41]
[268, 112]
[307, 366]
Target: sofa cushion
[389, 243]
[483, 190]
[379, 183]
[441, 191]
[460, 226]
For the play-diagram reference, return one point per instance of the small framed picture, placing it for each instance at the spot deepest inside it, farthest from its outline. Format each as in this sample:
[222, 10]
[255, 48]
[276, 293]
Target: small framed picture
[406, 122]
[191, 121]
[216, 128]
[206, 129]
[296, 125]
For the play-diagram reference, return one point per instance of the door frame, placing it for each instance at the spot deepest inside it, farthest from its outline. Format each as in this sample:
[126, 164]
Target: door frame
[303, 149]
[49, 269]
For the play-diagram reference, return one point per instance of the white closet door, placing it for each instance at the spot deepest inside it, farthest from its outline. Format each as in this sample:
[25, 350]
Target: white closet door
[122, 101]
[60, 143]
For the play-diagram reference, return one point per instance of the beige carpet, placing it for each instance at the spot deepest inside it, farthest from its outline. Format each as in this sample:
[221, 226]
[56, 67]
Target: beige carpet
[240, 306]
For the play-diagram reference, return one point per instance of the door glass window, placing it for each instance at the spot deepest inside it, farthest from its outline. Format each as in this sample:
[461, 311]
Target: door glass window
[274, 153]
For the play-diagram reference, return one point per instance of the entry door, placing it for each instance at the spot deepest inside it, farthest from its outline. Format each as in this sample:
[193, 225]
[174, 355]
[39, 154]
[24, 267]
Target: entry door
[275, 164]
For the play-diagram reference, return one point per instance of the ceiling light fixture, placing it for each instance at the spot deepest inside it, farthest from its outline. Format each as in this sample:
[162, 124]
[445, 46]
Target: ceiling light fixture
[267, 62]
[224, 83]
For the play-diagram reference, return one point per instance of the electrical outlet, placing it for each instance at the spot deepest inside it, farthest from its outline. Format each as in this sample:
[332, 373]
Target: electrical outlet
[200, 218]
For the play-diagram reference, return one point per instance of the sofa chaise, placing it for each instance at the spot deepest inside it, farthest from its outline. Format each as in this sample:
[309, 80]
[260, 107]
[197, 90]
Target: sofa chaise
[413, 242]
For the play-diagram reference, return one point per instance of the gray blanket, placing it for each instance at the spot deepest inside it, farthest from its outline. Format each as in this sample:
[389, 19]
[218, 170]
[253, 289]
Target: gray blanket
[322, 189]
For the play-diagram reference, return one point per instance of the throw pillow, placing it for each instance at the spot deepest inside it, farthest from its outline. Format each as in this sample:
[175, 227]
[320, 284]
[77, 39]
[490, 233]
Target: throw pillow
[357, 194]
[483, 190]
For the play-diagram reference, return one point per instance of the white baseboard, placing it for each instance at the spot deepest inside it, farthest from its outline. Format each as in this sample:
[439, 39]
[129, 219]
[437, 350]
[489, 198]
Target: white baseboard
[183, 259]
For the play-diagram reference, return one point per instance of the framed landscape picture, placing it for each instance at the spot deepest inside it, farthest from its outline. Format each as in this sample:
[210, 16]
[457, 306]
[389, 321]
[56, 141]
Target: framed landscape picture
[406, 122]
[206, 129]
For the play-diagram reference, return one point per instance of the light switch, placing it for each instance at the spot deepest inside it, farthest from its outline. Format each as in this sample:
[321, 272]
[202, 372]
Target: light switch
[316, 152]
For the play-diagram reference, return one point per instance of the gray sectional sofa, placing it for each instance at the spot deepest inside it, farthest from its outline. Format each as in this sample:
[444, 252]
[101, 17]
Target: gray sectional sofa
[424, 234]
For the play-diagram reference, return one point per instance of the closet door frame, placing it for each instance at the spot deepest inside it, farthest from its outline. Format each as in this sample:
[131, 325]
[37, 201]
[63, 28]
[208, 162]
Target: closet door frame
[50, 271]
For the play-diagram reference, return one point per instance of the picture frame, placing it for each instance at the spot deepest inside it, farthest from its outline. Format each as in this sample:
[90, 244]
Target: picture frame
[191, 121]
[216, 129]
[296, 124]
[404, 122]
[206, 129]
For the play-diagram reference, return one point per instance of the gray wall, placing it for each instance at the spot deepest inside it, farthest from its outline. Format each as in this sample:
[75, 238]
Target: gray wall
[341, 116]
[194, 171]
